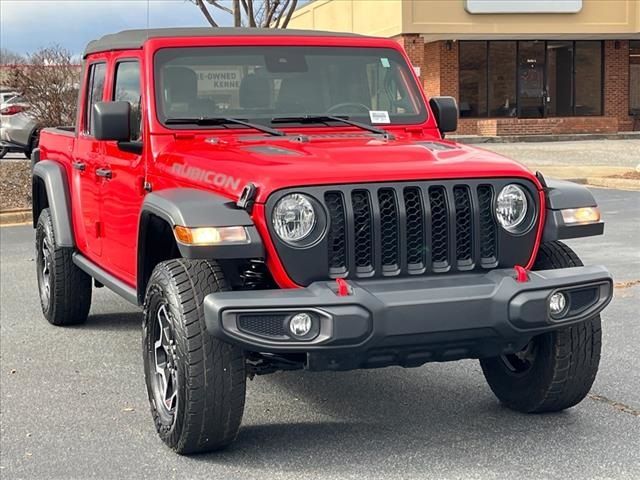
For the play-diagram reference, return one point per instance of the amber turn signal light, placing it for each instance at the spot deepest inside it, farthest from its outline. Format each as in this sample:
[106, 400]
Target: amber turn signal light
[211, 235]
[581, 215]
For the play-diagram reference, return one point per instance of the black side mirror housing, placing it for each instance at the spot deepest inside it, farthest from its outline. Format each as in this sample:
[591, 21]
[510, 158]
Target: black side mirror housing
[112, 121]
[445, 110]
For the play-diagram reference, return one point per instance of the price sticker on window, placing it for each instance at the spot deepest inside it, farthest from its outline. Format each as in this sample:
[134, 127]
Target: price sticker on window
[379, 116]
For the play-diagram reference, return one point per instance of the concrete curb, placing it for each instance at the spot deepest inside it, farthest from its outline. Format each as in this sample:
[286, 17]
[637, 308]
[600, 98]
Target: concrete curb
[14, 217]
[477, 139]
[615, 183]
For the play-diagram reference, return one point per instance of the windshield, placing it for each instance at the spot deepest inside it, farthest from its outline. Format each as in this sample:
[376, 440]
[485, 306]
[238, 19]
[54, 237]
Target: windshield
[262, 84]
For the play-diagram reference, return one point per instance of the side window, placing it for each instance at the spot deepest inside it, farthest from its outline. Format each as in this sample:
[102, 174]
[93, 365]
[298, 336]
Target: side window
[127, 89]
[95, 89]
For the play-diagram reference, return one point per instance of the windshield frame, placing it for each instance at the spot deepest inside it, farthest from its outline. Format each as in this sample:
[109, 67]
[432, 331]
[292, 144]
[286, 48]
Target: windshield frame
[422, 117]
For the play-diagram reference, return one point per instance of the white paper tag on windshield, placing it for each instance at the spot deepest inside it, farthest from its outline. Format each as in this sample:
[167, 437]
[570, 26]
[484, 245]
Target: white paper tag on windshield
[379, 116]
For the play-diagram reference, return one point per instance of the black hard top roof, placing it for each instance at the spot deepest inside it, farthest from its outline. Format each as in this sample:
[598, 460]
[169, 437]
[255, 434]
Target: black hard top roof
[132, 39]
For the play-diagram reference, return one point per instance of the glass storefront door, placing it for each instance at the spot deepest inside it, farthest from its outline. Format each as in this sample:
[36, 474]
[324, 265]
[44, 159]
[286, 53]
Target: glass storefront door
[531, 70]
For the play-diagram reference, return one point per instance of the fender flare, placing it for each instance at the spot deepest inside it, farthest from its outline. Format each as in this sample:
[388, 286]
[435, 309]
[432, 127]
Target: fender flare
[54, 178]
[561, 195]
[190, 207]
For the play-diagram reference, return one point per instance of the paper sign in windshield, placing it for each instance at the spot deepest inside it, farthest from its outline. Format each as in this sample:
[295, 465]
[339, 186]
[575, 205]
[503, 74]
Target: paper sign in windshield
[379, 116]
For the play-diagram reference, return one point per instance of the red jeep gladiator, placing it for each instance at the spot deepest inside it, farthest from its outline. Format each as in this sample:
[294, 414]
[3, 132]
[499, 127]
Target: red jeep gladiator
[278, 200]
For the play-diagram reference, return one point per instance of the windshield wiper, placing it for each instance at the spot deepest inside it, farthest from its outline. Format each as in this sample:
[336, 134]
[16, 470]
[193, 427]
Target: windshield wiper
[223, 121]
[331, 118]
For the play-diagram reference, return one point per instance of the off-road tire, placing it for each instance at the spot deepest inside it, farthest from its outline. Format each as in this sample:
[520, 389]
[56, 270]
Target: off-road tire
[70, 288]
[210, 374]
[566, 360]
[34, 140]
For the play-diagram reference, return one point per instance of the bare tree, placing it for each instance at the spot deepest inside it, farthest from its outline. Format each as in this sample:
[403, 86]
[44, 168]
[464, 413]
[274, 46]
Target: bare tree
[7, 57]
[250, 13]
[49, 82]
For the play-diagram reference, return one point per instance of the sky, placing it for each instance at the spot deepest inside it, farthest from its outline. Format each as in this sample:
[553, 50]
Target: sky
[27, 25]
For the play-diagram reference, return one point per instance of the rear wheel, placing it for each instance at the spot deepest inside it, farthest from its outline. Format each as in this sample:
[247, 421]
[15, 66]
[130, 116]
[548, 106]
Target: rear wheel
[65, 290]
[32, 145]
[555, 370]
[195, 383]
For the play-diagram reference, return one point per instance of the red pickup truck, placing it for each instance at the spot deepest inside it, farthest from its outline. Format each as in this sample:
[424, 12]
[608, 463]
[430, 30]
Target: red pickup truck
[277, 200]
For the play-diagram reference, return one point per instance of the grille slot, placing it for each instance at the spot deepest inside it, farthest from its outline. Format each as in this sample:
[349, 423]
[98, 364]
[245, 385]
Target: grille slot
[439, 228]
[363, 230]
[336, 237]
[488, 234]
[389, 231]
[415, 228]
[464, 225]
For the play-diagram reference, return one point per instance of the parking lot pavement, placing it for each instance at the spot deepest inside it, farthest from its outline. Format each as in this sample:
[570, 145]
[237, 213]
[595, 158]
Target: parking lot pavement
[611, 153]
[73, 400]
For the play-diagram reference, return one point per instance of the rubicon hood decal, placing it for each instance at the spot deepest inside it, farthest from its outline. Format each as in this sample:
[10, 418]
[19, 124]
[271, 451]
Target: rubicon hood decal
[210, 177]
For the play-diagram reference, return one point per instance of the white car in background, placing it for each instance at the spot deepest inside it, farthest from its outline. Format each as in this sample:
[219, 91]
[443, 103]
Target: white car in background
[18, 130]
[6, 96]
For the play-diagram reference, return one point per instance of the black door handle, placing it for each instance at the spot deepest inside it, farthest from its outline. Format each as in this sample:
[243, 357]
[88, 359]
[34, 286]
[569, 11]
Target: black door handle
[103, 172]
[79, 166]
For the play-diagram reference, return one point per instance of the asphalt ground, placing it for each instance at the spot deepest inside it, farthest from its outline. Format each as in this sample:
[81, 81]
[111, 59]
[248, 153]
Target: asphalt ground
[73, 400]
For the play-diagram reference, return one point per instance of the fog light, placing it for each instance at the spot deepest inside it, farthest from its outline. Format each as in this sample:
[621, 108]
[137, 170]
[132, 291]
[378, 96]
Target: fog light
[300, 325]
[557, 304]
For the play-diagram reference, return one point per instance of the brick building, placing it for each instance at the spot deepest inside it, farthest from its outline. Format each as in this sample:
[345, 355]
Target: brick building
[515, 66]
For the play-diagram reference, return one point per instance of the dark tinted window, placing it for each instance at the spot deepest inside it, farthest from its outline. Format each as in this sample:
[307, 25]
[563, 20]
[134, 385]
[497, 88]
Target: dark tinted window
[559, 78]
[502, 79]
[588, 83]
[473, 79]
[95, 91]
[536, 79]
[634, 76]
[127, 89]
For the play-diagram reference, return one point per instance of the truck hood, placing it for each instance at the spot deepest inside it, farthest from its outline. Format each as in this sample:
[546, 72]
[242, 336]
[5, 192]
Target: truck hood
[227, 164]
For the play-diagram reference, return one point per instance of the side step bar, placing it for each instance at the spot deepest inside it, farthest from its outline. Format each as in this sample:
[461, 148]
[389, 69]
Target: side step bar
[111, 282]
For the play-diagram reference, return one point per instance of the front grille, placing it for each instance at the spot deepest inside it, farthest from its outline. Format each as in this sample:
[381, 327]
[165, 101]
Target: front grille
[432, 226]
[405, 229]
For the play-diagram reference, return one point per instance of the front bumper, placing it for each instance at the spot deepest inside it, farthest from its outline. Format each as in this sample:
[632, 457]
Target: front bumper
[409, 321]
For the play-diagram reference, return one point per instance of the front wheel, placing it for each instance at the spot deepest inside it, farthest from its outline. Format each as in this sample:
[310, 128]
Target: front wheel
[195, 383]
[555, 370]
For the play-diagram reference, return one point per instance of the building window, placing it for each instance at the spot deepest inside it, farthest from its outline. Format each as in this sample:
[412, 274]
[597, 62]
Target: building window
[588, 78]
[473, 79]
[531, 78]
[634, 77]
[559, 79]
[502, 79]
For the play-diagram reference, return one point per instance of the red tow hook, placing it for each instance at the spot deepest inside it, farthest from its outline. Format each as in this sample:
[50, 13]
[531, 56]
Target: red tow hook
[344, 290]
[522, 275]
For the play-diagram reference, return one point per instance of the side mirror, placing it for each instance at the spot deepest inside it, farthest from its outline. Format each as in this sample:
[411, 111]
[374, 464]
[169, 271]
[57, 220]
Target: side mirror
[445, 109]
[112, 121]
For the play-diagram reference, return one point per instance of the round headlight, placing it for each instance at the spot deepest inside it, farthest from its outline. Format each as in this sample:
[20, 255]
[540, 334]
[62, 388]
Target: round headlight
[511, 207]
[293, 217]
